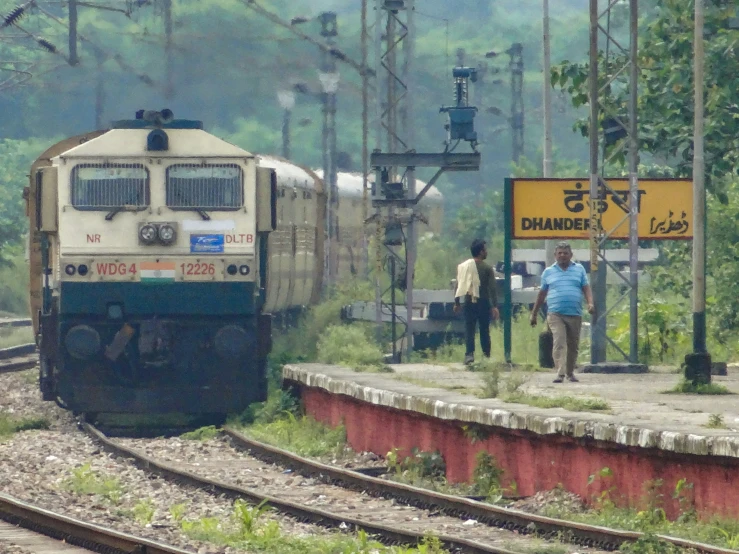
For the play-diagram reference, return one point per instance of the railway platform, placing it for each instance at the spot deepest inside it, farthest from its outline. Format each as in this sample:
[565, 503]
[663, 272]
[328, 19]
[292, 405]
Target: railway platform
[648, 439]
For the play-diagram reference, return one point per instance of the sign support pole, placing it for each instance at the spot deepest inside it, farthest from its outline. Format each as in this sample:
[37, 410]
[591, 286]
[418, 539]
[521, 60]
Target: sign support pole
[507, 255]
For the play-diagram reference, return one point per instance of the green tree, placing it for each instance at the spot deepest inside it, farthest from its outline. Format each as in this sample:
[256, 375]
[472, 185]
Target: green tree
[665, 102]
[16, 157]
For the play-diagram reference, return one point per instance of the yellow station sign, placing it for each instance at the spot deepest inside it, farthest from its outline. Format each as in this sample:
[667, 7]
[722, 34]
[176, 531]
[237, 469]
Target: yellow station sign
[560, 208]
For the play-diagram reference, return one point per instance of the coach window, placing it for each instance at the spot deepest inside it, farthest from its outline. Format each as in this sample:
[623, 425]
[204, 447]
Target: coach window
[205, 187]
[103, 187]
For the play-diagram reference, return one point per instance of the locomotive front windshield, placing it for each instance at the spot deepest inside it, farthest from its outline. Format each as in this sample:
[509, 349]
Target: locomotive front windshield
[109, 186]
[205, 187]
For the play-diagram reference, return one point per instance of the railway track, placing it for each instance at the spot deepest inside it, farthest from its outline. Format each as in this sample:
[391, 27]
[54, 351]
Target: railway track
[18, 358]
[463, 509]
[68, 531]
[452, 506]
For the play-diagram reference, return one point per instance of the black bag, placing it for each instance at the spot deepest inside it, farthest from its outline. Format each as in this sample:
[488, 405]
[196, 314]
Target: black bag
[546, 346]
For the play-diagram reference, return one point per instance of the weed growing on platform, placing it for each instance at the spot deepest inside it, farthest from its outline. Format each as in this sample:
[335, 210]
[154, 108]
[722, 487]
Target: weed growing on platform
[248, 528]
[688, 387]
[350, 345]
[85, 480]
[10, 425]
[716, 421]
[567, 402]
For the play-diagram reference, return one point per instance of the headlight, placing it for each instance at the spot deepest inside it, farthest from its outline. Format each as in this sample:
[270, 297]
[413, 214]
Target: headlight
[167, 233]
[148, 233]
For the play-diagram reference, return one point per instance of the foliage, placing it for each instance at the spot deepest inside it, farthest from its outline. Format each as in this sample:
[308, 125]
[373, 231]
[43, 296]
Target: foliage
[302, 435]
[14, 336]
[10, 425]
[16, 157]
[666, 90]
[419, 466]
[201, 434]
[87, 481]
[249, 529]
[715, 531]
[14, 277]
[688, 387]
[279, 403]
[486, 477]
[663, 326]
[570, 403]
[716, 421]
[143, 511]
[350, 345]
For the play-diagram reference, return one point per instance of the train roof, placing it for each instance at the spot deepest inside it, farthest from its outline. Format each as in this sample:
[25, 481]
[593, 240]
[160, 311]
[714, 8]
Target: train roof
[183, 143]
[350, 184]
[293, 174]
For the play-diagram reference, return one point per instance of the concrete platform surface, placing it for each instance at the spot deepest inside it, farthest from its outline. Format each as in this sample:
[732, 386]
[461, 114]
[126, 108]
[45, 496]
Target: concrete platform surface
[641, 414]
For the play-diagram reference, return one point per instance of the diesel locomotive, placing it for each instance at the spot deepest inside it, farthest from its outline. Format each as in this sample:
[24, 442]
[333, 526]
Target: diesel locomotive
[158, 255]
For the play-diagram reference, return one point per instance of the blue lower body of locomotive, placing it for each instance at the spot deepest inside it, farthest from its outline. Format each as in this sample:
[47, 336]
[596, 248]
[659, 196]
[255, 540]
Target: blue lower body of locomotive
[127, 347]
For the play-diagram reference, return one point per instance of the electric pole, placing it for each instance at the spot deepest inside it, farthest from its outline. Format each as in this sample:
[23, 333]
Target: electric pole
[517, 115]
[329, 78]
[168, 84]
[547, 101]
[73, 18]
[698, 364]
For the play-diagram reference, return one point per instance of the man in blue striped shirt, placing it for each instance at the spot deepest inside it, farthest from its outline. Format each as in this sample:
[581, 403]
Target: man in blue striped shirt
[562, 286]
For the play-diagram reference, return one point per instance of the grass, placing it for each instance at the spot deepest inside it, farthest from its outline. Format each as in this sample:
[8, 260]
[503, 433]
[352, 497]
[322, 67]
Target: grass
[86, 481]
[716, 531]
[688, 387]
[10, 425]
[201, 434]
[716, 421]
[351, 346]
[14, 336]
[567, 402]
[247, 528]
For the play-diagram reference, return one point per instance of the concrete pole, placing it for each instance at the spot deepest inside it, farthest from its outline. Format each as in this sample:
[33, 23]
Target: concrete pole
[99, 89]
[286, 134]
[634, 187]
[547, 90]
[73, 18]
[699, 193]
[168, 83]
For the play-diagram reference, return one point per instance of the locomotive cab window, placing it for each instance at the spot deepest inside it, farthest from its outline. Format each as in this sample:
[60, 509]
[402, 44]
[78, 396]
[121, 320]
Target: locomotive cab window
[109, 186]
[205, 187]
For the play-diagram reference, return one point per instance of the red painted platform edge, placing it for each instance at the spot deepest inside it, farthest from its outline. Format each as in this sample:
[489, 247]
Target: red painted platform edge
[597, 471]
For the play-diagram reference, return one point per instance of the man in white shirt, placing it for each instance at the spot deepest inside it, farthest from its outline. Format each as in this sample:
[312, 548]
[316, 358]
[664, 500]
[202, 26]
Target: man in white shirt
[476, 284]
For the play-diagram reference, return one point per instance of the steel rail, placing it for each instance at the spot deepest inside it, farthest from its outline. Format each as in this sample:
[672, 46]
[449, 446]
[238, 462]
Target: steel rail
[579, 533]
[303, 513]
[79, 533]
[18, 358]
[15, 322]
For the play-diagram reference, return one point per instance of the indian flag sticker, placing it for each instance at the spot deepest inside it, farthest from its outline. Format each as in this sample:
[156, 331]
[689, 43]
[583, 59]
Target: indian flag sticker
[157, 272]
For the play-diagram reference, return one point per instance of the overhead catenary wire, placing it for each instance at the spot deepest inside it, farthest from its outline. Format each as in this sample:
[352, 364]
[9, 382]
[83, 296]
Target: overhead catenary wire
[333, 50]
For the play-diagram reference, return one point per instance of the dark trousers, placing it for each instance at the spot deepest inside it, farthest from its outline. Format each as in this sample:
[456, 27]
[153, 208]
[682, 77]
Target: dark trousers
[477, 313]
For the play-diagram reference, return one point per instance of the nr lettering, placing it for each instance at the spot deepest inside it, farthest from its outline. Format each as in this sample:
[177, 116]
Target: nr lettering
[94, 238]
